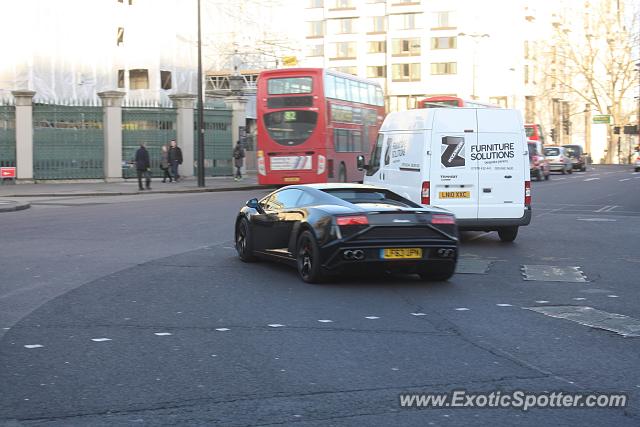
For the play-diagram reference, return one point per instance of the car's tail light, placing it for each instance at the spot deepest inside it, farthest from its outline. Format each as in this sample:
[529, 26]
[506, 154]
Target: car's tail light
[442, 219]
[352, 220]
[425, 194]
[527, 193]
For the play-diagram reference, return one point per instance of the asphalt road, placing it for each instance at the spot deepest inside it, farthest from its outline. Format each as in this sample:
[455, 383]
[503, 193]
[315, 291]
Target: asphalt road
[136, 311]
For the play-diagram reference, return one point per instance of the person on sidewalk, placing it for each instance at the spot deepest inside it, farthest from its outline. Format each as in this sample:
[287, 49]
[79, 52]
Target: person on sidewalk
[238, 159]
[164, 164]
[175, 159]
[143, 167]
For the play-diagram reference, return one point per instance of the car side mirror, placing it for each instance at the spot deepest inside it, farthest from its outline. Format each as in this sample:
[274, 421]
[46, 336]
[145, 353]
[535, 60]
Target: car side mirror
[360, 163]
[253, 204]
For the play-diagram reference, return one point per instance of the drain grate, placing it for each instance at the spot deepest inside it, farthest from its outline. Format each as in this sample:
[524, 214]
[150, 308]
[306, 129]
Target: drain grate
[551, 273]
[473, 266]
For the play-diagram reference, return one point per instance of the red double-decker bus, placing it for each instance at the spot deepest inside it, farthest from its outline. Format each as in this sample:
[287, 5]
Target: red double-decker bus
[451, 101]
[313, 123]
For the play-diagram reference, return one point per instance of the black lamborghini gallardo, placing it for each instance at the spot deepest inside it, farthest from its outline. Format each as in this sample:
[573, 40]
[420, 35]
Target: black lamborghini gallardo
[326, 229]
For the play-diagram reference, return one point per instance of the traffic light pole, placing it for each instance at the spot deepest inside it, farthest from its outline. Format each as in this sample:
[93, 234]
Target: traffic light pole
[200, 109]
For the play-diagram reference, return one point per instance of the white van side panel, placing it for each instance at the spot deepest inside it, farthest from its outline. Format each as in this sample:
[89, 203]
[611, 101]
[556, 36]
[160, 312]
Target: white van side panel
[403, 163]
[454, 177]
[501, 155]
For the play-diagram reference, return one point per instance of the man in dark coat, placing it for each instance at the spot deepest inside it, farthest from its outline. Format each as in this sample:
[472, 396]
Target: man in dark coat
[238, 160]
[175, 159]
[143, 167]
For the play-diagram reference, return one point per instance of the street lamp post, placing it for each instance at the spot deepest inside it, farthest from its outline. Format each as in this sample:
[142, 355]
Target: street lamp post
[200, 109]
[476, 37]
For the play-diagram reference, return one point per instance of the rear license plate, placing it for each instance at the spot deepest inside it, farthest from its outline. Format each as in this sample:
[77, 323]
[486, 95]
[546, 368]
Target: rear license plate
[454, 194]
[292, 179]
[401, 253]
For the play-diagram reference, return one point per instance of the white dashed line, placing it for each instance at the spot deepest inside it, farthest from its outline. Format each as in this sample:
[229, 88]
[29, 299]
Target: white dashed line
[275, 325]
[504, 305]
[100, 339]
[162, 334]
[579, 299]
[33, 346]
[418, 314]
[222, 329]
[463, 309]
[372, 317]
[325, 321]
[542, 302]
[612, 296]
[623, 180]
[591, 179]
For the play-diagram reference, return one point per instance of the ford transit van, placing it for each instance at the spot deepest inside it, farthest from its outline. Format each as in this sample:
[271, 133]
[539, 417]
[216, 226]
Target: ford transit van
[471, 161]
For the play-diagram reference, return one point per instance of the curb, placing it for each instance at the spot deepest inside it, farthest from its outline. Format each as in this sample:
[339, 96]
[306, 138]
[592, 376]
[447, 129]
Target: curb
[12, 205]
[137, 193]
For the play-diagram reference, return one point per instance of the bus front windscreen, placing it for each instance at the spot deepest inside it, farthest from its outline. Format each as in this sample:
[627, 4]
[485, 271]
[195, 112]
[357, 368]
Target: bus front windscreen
[435, 104]
[289, 85]
[290, 128]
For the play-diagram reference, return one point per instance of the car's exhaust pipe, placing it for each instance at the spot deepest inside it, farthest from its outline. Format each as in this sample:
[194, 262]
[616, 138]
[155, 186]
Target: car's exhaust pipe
[358, 254]
[446, 253]
[347, 254]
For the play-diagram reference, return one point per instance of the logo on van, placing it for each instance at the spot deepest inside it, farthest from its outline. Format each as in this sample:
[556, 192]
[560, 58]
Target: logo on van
[452, 152]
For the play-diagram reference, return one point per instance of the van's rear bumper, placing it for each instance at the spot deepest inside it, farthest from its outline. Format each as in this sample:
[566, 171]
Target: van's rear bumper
[490, 224]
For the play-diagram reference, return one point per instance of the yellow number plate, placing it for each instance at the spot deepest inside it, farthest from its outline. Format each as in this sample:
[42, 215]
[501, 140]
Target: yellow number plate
[291, 179]
[454, 194]
[402, 253]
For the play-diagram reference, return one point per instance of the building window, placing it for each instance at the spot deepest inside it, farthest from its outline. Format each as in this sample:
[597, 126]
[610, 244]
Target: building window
[530, 109]
[139, 79]
[438, 68]
[343, 4]
[120, 36]
[526, 49]
[403, 102]
[316, 50]
[443, 43]
[406, 73]
[378, 24]
[406, 47]
[377, 47]
[346, 70]
[443, 21]
[344, 50]
[120, 79]
[316, 29]
[406, 21]
[315, 3]
[526, 74]
[346, 25]
[165, 80]
[377, 71]
[500, 101]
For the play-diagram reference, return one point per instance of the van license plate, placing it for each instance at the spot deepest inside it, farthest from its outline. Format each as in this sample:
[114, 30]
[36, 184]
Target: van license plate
[401, 253]
[454, 194]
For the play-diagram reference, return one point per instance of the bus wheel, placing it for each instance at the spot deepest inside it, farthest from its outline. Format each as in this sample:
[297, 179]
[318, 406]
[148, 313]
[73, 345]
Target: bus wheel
[342, 175]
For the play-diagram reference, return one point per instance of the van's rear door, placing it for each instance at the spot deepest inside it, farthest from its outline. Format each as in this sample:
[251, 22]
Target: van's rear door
[503, 163]
[454, 175]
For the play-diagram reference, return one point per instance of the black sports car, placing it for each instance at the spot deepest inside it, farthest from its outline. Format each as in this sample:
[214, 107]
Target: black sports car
[330, 228]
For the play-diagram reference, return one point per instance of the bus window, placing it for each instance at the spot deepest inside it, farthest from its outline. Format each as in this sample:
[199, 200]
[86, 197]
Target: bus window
[290, 127]
[372, 95]
[364, 94]
[341, 88]
[379, 97]
[282, 86]
[329, 86]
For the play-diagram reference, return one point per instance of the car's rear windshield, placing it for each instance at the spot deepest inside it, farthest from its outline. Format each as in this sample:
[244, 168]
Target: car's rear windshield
[552, 151]
[357, 195]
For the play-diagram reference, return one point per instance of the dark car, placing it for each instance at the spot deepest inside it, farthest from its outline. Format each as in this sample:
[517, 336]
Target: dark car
[325, 229]
[578, 156]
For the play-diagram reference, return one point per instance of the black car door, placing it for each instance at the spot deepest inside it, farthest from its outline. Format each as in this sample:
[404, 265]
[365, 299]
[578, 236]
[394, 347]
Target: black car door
[263, 224]
[273, 227]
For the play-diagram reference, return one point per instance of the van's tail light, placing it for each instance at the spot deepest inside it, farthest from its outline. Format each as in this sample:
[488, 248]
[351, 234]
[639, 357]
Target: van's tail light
[425, 194]
[352, 220]
[442, 219]
[527, 193]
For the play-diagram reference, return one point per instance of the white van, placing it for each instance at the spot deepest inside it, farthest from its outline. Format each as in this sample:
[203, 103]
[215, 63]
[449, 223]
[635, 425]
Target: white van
[471, 161]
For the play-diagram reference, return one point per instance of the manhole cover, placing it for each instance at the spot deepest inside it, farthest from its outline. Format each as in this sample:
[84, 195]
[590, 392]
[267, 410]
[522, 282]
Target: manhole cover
[473, 266]
[551, 273]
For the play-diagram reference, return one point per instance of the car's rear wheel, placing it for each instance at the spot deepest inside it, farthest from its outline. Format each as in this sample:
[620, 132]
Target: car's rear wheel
[508, 234]
[308, 258]
[564, 171]
[244, 242]
[438, 273]
[583, 168]
[571, 170]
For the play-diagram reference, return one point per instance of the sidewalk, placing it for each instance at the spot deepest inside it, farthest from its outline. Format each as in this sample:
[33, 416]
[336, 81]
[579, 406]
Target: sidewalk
[127, 187]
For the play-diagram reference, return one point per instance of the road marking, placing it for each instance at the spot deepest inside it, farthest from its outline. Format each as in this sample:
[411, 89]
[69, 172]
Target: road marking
[579, 299]
[504, 305]
[162, 334]
[561, 177]
[473, 266]
[591, 179]
[552, 273]
[613, 296]
[222, 329]
[603, 209]
[100, 339]
[325, 321]
[418, 314]
[463, 309]
[626, 179]
[589, 316]
[33, 346]
[275, 325]
[597, 219]
[371, 317]
[542, 302]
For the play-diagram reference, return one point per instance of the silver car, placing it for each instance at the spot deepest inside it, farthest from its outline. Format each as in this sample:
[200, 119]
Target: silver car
[559, 160]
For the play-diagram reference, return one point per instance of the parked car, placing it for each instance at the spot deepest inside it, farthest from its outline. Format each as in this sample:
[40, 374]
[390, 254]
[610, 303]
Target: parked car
[578, 156]
[538, 163]
[559, 160]
[331, 228]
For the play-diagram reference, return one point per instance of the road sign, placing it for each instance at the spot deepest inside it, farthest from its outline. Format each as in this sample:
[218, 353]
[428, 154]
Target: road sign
[7, 172]
[290, 61]
[602, 119]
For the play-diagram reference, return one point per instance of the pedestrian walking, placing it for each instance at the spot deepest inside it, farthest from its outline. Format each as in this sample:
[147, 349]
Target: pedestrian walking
[164, 164]
[143, 167]
[238, 159]
[175, 159]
